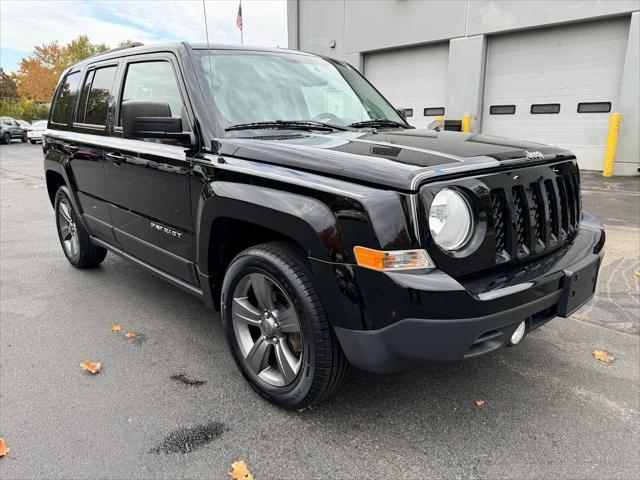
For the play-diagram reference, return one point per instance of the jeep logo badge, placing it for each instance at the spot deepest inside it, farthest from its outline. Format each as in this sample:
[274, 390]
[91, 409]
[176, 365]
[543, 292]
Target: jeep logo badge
[534, 155]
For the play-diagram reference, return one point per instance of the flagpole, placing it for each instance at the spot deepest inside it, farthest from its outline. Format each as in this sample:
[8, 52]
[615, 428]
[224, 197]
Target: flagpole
[241, 28]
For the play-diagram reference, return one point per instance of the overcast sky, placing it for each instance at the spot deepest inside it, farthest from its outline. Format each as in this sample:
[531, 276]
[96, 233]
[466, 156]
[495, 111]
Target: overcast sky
[24, 24]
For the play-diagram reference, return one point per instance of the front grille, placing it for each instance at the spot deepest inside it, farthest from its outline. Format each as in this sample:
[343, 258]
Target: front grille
[535, 217]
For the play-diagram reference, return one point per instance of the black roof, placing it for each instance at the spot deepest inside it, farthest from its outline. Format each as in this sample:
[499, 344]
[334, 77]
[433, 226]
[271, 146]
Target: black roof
[138, 48]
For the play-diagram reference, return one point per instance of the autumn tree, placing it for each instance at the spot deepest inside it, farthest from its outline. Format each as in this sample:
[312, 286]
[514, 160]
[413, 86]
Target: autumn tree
[38, 74]
[8, 87]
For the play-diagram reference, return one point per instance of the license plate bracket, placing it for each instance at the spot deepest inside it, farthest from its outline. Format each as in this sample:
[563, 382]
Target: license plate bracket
[579, 286]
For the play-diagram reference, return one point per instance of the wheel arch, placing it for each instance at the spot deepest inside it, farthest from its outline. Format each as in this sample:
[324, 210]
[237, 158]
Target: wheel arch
[54, 181]
[233, 216]
[308, 222]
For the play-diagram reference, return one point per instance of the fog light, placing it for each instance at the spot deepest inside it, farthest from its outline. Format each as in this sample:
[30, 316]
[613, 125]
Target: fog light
[518, 334]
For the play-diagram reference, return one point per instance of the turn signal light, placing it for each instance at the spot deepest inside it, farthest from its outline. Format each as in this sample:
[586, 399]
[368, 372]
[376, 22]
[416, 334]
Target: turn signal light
[392, 260]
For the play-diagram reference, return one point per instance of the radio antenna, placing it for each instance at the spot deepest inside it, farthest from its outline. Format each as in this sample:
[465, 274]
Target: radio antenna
[206, 26]
[206, 30]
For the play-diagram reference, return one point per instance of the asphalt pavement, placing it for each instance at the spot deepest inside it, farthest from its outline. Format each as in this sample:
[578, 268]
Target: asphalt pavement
[170, 403]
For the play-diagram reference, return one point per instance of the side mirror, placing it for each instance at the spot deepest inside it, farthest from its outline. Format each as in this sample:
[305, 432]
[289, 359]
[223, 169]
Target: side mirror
[151, 120]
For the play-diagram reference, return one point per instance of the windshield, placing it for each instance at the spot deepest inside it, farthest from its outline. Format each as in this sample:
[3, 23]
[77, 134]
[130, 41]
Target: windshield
[252, 86]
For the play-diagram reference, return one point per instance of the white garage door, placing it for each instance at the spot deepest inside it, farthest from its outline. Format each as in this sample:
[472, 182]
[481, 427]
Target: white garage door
[412, 78]
[568, 76]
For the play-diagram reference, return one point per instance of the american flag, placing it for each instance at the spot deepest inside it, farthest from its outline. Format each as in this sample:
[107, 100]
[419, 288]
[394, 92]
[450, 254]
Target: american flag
[239, 17]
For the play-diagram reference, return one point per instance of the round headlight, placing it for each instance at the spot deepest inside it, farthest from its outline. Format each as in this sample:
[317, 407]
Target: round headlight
[450, 220]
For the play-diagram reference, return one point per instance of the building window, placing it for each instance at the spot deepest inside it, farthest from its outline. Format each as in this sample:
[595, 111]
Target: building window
[408, 112]
[502, 110]
[433, 111]
[545, 108]
[594, 107]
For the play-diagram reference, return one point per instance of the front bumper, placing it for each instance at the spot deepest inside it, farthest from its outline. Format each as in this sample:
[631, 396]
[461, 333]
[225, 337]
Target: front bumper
[407, 319]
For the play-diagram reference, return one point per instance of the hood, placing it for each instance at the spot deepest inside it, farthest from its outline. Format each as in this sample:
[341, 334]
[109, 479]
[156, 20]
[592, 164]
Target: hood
[397, 159]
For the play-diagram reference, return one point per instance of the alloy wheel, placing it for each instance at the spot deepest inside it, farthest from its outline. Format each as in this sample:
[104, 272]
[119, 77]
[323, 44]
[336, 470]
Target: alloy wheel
[68, 228]
[267, 329]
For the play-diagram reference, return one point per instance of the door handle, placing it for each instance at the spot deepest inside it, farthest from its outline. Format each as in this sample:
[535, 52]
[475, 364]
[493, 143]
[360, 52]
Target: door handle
[116, 157]
[70, 148]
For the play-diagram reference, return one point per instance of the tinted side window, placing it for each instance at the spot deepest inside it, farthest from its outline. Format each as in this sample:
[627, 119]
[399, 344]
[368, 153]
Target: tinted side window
[63, 104]
[94, 111]
[82, 104]
[152, 82]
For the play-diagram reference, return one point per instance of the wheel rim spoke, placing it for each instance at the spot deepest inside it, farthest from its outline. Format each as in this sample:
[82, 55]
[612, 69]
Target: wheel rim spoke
[288, 321]
[65, 231]
[258, 356]
[288, 364]
[263, 290]
[243, 311]
[65, 211]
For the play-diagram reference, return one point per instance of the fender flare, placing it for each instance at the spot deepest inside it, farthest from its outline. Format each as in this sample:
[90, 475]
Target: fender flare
[306, 220]
[59, 168]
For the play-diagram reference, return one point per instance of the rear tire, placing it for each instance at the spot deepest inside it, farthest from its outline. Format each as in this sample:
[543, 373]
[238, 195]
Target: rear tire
[33, 142]
[298, 366]
[24, 138]
[75, 241]
[6, 138]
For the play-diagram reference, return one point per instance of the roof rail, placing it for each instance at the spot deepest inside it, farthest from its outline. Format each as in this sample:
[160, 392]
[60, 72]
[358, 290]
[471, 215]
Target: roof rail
[128, 45]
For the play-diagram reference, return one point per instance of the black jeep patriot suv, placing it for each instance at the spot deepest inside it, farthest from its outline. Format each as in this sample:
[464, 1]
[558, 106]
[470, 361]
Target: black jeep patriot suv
[284, 190]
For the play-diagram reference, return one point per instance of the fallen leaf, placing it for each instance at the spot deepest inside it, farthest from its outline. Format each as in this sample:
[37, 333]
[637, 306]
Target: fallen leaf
[116, 328]
[240, 471]
[479, 403]
[603, 356]
[304, 409]
[130, 335]
[3, 448]
[92, 367]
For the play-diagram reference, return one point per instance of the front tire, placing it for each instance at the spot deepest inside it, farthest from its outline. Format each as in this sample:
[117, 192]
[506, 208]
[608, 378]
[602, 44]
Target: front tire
[6, 138]
[277, 329]
[33, 142]
[24, 138]
[74, 239]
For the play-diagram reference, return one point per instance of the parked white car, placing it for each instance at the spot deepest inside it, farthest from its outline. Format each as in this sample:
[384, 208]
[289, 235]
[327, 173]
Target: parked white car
[34, 132]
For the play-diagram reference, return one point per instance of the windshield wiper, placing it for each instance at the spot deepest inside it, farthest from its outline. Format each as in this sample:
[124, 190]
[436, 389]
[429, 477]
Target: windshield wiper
[379, 122]
[289, 125]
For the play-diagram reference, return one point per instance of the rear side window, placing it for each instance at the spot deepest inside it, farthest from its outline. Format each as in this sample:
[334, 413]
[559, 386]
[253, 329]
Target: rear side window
[152, 82]
[96, 93]
[65, 98]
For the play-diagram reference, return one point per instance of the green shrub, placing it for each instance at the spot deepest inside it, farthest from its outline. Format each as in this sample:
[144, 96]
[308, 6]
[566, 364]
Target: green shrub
[23, 109]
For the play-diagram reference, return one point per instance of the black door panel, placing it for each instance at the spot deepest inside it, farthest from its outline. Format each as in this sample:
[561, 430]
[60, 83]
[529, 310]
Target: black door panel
[149, 194]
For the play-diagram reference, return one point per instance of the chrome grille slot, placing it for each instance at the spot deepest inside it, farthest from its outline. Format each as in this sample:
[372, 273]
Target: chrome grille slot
[553, 224]
[521, 221]
[539, 221]
[500, 223]
[564, 202]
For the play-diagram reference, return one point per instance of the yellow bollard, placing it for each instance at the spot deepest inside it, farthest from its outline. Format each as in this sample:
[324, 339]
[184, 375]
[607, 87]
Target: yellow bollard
[466, 123]
[612, 144]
